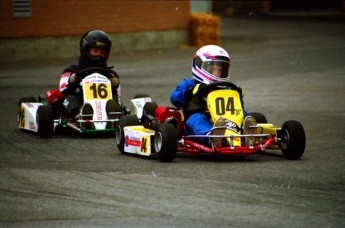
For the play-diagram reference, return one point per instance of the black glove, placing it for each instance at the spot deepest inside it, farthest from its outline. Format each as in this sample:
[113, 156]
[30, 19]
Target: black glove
[188, 94]
[197, 90]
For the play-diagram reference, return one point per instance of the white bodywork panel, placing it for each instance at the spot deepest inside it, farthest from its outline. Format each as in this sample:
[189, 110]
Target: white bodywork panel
[138, 140]
[27, 120]
[138, 104]
[97, 91]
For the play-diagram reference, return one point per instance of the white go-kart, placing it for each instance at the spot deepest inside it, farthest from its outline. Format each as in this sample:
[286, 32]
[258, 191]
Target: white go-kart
[99, 114]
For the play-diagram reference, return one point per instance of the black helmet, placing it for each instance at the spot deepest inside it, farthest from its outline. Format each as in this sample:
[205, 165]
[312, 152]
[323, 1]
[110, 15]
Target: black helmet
[94, 39]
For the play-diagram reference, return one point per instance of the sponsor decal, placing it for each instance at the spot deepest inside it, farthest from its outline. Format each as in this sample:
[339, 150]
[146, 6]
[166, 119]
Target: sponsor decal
[132, 141]
[29, 105]
[88, 81]
[198, 146]
[232, 126]
[63, 86]
[146, 130]
[22, 117]
[100, 44]
[144, 144]
[96, 79]
[99, 110]
[209, 56]
[138, 104]
[31, 125]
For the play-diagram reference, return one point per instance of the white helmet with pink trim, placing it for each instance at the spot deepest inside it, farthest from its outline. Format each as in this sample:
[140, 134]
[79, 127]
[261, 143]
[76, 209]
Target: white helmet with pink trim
[211, 63]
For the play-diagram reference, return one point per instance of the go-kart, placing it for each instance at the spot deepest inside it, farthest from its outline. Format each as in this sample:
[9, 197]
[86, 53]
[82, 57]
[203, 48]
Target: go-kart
[38, 115]
[161, 133]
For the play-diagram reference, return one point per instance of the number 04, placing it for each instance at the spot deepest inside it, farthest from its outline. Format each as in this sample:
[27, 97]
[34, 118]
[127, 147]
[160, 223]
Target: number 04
[222, 107]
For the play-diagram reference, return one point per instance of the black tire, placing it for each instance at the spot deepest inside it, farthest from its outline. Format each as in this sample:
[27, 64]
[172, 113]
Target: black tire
[165, 142]
[292, 140]
[259, 117]
[26, 99]
[150, 108]
[45, 121]
[140, 95]
[124, 121]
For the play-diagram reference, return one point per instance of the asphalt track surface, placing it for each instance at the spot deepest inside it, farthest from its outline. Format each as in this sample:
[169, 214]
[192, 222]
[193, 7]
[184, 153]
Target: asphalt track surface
[289, 69]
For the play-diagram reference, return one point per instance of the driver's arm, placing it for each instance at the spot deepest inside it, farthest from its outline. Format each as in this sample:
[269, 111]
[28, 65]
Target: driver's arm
[181, 95]
[68, 82]
[115, 80]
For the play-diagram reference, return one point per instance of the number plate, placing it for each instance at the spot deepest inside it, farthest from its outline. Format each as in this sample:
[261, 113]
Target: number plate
[97, 91]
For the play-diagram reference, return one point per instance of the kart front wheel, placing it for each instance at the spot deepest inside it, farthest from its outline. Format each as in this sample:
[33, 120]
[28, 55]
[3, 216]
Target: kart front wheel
[292, 140]
[259, 117]
[26, 99]
[128, 120]
[165, 142]
[45, 121]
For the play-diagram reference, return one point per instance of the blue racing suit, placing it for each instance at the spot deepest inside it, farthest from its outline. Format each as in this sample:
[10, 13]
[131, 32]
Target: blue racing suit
[196, 121]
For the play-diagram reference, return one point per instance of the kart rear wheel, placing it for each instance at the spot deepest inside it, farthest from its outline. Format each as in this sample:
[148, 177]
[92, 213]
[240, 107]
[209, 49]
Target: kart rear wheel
[165, 142]
[45, 121]
[292, 140]
[26, 99]
[150, 108]
[259, 117]
[128, 120]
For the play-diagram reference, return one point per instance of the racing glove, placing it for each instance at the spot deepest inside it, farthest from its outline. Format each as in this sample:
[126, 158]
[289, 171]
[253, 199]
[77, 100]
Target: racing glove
[114, 81]
[73, 79]
[195, 91]
[188, 94]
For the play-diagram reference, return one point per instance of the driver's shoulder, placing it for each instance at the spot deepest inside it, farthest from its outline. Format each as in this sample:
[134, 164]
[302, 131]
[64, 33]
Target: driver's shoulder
[188, 82]
[72, 68]
[114, 73]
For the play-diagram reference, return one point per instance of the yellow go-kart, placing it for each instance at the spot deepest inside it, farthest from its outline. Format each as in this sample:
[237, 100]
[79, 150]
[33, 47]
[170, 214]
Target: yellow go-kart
[160, 131]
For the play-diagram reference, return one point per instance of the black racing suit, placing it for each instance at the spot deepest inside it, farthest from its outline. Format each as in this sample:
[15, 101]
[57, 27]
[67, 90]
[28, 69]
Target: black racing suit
[72, 92]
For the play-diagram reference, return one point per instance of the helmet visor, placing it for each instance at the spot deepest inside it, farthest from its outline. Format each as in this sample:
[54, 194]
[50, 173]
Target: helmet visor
[218, 68]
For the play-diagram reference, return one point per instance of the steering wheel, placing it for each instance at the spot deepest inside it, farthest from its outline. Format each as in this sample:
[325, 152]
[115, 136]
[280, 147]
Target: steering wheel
[87, 71]
[204, 91]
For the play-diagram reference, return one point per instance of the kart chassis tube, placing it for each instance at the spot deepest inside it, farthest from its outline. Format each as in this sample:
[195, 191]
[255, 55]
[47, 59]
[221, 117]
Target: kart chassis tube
[72, 125]
[96, 121]
[193, 147]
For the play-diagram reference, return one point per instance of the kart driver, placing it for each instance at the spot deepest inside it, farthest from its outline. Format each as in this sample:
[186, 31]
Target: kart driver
[210, 64]
[95, 47]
